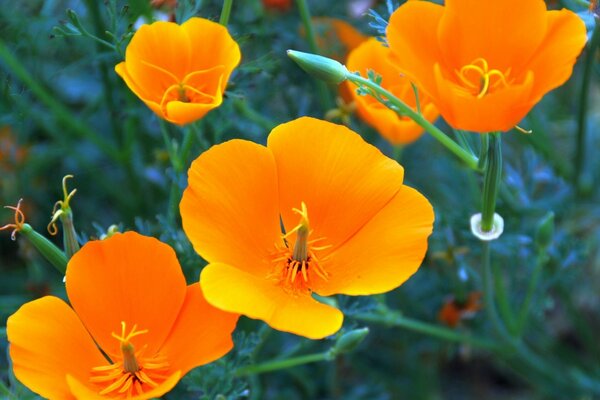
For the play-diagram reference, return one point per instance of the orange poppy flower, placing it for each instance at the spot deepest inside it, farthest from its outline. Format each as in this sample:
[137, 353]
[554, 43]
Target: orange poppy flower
[180, 71]
[372, 55]
[281, 5]
[351, 226]
[485, 64]
[454, 311]
[130, 299]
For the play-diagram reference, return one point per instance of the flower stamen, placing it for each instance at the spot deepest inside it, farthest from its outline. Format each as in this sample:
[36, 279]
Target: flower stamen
[300, 260]
[478, 77]
[129, 375]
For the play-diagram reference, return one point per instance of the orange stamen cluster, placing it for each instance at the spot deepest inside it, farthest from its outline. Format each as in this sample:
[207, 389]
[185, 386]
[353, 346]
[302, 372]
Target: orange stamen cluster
[133, 374]
[19, 220]
[479, 79]
[301, 259]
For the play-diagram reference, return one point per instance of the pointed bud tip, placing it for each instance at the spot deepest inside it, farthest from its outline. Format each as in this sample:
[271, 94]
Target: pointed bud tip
[320, 67]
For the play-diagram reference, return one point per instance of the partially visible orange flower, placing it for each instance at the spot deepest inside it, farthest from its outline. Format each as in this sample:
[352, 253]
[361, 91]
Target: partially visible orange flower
[373, 55]
[180, 71]
[350, 225]
[485, 64]
[130, 300]
[454, 311]
[281, 5]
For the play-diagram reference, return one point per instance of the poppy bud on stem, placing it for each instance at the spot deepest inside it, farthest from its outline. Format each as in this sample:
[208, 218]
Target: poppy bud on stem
[62, 211]
[323, 68]
[52, 253]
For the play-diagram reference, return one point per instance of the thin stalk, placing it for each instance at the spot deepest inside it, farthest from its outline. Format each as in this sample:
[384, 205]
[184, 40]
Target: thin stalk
[282, 364]
[542, 260]
[488, 292]
[469, 159]
[322, 89]
[191, 132]
[62, 113]
[225, 12]
[242, 107]
[395, 319]
[580, 149]
[491, 182]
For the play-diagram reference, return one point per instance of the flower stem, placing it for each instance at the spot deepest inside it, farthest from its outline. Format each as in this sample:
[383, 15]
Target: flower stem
[493, 175]
[582, 178]
[61, 112]
[405, 110]
[392, 318]
[225, 12]
[283, 364]
[541, 261]
[322, 89]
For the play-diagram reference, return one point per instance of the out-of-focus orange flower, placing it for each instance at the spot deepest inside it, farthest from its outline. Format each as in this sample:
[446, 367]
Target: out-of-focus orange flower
[281, 5]
[485, 73]
[130, 299]
[454, 311]
[351, 226]
[373, 55]
[180, 71]
[336, 38]
[170, 4]
[11, 154]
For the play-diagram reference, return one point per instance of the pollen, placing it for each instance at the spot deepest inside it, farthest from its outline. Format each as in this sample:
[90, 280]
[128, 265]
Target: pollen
[479, 79]
[133, 373]
[296, 267]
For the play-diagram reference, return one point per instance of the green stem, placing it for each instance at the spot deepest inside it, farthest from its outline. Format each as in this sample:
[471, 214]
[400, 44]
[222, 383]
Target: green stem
[191, 132]
[225, 12]
[581, 176]
[61, 112]
[542, 260]
[493, 175]
[488, 293]
[51, 253]
[322, 89]
[405, 110]
[395, 319]
[242, 107]
[282, 364]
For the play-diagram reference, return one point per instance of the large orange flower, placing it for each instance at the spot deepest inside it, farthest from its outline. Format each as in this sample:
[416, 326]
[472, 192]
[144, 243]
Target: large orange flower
[130, 299]
[485, 64]
[180, 71]
[372, 55]
[351, 226]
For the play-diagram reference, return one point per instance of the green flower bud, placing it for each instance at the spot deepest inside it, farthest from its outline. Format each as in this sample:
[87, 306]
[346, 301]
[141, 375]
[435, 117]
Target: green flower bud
[320, 67]
[350, 340]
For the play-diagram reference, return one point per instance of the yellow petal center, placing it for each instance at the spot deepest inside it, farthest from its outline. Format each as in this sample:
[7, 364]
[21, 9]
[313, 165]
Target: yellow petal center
[479, 79]
[132, 373]
[296, 267]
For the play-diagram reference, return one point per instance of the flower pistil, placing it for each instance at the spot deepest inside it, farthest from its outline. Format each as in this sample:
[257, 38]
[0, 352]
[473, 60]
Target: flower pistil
[301, 259]
[130, 375]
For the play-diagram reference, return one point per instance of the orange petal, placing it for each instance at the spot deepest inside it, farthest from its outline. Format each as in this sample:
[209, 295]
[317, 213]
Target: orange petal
[497, 111]
[157, 57]
[506, 33]
[200, 335]
[343, 180]
[385, 252]
[553, 63]
[229, 209]
[412, 37]
[373, 55]
[181, 113]
[83, 392]
[130, 278]
[47, 342]
[233, 290]
[215, 46]
[142, 93]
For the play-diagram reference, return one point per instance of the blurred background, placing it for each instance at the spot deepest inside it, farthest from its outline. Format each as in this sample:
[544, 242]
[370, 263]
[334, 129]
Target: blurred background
[63, 110]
